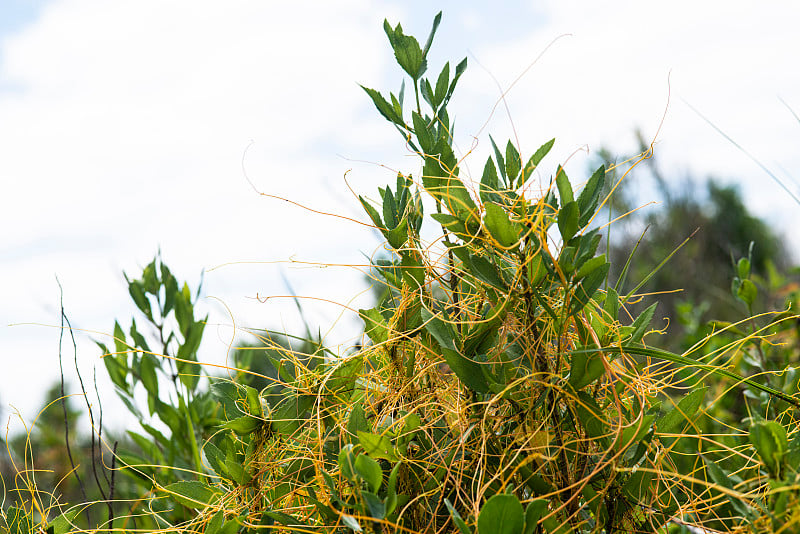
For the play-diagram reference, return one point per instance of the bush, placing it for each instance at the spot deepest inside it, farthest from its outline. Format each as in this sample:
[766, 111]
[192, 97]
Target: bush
[501, 389]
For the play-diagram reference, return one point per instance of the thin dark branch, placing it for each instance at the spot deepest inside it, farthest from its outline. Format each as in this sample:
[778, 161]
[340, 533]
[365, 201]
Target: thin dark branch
[63, 394]
[86, 399]
[111, 487]
[100, 425]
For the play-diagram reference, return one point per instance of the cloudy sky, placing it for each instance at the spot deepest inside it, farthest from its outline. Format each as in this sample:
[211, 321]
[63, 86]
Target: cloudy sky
[126, 128]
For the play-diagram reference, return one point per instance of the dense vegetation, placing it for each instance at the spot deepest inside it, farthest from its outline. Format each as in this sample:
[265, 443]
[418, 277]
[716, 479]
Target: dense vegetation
[509, 380]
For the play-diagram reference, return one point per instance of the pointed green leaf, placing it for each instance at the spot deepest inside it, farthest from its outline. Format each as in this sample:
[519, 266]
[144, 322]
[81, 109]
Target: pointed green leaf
[243, 425]
[441, 84]
[747, 292]
[374, 325]
[485, 271]
[406, 50]
[743, 268]
[500, 227]
[357, 421]
[376, 508]
[634, 432]
[377, 446]
[771, 442]
[513, 163]
[723, 479]
[466, 369]
[426, 142]
[456, 517]
[564, 187]
[684, 411]
[537, 158]
[436, 20]
[568, 224]
[384, 107]
[587, 288]
[488, 191]
[369, 470]
[64, 523]
[642, 323]
[586, 367]
[501, 164]
[351, 522]
[589, 197]
[534, 512]
[193, 494]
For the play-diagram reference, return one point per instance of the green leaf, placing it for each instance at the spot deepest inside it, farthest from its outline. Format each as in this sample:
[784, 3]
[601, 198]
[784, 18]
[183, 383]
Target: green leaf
[193, 494]
[513, 163]
[357, 421]
[488, 191]
[460, 68]
[351, 522]
[564, 187]
[441, 85]
[291, 412]
[286, 520]
[462, 526]
[64, 523]
[684, 411]
[611, 304]
[747, 292]
[452, 224]
[500, 227]
[501, 514]
[743, 268]
[376, 508]
[369, 471]
[638, 485]
[243, 425]
[344, 374]
[148, 374]
[771, 442]
[137, 292]
[377, 446]
[391, 489]
[467, 370]
[501, 164]
[346, 461]
[384, 108]
[589, 266]
[587, 287]
[374, 325]
[406, 50]
[436, 21]
[723, 479]
[586, 367]
[536, 270]
[641, 324]
[537, 158]
[568, 224]
[591, 416]
[589, 197]
[373, 214]
[426, 142]
[534, 512]
[218, 461]
[18, 521]
[634, 432]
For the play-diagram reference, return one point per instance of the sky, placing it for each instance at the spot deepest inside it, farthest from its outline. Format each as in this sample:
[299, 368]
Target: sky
[129, 128]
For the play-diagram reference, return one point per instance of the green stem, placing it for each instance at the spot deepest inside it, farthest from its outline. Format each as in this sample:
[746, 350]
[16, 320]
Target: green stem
[198, 463]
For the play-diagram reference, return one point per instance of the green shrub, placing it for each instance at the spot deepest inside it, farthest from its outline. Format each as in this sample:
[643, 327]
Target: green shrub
[503, 389]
